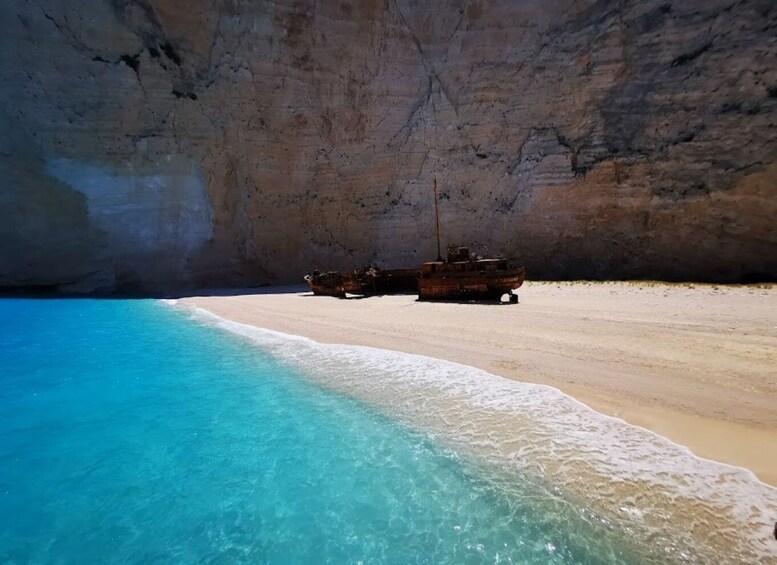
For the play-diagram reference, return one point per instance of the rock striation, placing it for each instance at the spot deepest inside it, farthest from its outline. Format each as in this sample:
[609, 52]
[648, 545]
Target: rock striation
[158, 145]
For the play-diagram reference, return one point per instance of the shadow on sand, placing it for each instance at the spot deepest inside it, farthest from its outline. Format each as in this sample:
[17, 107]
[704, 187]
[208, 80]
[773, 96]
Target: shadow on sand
[256, 290]
[479, 301]
[301, 289]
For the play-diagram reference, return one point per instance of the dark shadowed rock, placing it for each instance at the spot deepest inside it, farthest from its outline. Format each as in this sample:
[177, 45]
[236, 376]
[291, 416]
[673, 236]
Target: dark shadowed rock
[162, 144]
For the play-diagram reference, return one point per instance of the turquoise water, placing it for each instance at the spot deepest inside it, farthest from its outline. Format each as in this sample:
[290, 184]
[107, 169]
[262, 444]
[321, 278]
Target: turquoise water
[131, 433]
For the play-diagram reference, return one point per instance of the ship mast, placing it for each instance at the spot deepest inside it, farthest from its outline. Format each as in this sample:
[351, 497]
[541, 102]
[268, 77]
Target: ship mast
[437, 217]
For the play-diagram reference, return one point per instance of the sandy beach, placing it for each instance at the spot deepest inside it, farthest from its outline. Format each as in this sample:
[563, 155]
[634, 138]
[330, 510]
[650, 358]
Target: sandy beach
[694, 363]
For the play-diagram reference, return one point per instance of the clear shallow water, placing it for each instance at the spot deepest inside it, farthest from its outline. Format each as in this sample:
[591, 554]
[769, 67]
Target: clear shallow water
[134, 433]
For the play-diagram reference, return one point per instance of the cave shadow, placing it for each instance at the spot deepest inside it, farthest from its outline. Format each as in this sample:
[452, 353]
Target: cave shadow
[51, 292]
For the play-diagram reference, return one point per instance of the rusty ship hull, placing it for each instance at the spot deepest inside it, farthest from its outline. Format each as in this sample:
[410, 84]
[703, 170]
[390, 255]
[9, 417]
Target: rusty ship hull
[333, 283]
[462, 276]
[470, 285]
[368, 282]
[395, 281]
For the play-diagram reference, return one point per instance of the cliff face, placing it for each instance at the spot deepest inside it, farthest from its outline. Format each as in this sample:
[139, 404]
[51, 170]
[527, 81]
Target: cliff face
[162, 144]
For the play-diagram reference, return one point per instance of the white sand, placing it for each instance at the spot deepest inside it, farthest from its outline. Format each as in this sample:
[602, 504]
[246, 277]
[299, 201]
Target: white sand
[695, 363]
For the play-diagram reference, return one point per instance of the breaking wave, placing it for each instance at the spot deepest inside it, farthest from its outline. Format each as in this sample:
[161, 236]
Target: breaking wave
[673, 505]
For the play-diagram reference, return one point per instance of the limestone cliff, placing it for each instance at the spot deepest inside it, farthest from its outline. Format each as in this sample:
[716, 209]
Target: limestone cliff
[163, 144]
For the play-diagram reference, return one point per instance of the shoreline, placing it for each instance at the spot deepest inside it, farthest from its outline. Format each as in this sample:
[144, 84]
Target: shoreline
[691, 363]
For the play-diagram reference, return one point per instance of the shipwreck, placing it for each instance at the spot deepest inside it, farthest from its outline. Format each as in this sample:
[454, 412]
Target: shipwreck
[460, 276]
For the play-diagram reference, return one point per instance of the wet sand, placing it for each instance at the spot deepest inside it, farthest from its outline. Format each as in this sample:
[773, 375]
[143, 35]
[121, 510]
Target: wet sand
[694, 363]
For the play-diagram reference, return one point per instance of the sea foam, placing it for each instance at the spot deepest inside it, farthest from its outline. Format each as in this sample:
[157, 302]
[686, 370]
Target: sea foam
[674, 505]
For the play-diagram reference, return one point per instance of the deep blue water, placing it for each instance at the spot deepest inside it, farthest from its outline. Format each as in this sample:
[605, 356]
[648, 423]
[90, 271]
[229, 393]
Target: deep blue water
[131, 433]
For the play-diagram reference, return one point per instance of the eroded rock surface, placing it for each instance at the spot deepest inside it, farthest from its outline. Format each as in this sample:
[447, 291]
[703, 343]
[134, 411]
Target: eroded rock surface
[165, 144]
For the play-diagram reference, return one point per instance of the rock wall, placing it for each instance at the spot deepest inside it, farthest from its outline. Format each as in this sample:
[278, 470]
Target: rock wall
[155, 145]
